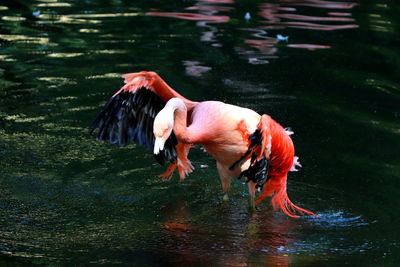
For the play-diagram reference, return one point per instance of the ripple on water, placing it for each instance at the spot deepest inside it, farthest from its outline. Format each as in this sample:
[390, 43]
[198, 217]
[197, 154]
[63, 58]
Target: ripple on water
[332, 234]
[338, 219]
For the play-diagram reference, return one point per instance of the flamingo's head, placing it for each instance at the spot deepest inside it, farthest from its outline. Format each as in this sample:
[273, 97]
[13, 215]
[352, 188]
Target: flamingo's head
[162, 129]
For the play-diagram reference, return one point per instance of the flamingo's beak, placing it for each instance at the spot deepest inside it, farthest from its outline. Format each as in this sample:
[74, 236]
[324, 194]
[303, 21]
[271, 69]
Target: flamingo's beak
[158, 145]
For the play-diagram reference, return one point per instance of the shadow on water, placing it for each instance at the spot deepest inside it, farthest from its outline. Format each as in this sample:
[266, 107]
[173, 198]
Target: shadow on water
[328, 69]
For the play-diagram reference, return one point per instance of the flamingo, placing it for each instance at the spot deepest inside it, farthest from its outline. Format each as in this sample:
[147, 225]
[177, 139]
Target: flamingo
[244, 143]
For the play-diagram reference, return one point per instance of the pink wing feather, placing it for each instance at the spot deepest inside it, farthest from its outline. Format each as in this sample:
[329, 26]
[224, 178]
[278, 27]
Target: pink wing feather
[129, 116]
[153, 82]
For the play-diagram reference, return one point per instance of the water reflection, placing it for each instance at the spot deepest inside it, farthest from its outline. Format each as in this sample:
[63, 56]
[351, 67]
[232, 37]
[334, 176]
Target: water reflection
[68, 200]
[275, 16]
[234, 239]
[194, 68]
[309, 46]
[26, 39]
[189, 16]
[207, 16]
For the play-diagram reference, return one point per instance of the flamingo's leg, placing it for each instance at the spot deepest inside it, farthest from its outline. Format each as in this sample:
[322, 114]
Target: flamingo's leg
[183, 164]
[252, 195]
[169, 172]
[252, 187]
[225, 177]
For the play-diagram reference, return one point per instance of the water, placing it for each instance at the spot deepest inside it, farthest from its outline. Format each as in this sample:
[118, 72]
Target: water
[67, 199]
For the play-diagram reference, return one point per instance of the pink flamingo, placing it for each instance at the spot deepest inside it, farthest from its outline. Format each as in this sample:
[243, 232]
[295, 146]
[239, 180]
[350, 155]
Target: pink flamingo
[245, 144]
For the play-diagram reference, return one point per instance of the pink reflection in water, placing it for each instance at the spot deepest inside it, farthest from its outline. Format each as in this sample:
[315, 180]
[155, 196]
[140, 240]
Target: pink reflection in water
[320, 4]
[276, 20]
[278, 15]
[311, 47]
[207, 16]
[236, 242]
[194, 68]
[311, 26]
[190, 16]
[215, 8]
[311, 18]
[265, 46]
[342, 14]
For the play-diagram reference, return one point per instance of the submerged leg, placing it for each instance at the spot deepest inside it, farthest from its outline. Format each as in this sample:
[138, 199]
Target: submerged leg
[252, 195]
[225, 177]
[252, 187]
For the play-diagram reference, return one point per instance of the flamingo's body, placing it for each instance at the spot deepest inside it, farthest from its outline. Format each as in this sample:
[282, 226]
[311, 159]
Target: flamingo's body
[243, 142]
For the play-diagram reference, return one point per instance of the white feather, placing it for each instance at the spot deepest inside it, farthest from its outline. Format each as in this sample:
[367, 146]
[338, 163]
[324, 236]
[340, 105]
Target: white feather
[296, 163]
[289, 131]
[158, 145]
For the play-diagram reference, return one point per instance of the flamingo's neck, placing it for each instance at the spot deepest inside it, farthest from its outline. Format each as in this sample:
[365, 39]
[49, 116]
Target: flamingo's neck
[177, 107]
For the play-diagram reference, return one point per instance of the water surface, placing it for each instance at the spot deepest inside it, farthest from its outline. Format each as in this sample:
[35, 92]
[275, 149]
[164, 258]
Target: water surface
[327, 69]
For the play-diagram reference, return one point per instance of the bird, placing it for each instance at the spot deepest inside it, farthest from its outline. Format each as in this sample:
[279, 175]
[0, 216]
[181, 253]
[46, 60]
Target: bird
[245, 144]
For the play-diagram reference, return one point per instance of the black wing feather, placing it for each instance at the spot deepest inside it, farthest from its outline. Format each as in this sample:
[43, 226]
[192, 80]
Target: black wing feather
[129, 117]
[258, 170]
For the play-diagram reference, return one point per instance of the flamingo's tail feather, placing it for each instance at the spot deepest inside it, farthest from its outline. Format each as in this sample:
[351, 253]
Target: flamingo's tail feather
[271, 155]
[280, 199]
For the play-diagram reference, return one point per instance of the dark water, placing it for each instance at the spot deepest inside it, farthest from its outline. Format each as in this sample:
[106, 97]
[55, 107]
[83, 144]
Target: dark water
[67, 199]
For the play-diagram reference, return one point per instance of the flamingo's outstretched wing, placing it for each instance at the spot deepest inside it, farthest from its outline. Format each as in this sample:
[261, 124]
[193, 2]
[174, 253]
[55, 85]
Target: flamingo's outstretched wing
[153, 82]
[129, 114]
